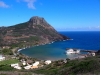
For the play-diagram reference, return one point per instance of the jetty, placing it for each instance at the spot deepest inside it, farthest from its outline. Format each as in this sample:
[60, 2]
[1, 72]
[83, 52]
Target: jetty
[82, 50]
[91, 51]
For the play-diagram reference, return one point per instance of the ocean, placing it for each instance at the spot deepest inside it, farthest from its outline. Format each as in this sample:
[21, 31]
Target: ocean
[88, 40]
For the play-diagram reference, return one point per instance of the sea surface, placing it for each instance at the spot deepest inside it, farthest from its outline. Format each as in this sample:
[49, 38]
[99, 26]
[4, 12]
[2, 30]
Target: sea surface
[88, 40]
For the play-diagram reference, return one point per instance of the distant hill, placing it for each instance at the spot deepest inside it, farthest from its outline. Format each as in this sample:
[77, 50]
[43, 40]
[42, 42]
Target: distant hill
[35, 31]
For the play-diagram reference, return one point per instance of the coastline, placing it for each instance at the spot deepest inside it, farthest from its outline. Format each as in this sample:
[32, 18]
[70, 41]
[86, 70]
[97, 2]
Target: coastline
[41, 44]
[78, 42]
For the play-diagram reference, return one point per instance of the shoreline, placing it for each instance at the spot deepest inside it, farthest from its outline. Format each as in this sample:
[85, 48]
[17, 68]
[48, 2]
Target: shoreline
[41, 44]
[77, 56]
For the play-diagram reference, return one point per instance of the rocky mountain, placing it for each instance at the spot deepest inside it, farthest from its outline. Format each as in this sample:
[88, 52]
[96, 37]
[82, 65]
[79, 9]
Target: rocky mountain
[35, 31]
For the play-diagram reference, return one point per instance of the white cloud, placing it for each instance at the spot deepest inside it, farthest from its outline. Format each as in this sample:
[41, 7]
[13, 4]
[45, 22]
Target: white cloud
[94, 27]
[98, 27]
[30, 3]
[2, 4]
[90, 28]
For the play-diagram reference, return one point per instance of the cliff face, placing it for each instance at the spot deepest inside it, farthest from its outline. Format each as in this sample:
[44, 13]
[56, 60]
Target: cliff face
[35, 31]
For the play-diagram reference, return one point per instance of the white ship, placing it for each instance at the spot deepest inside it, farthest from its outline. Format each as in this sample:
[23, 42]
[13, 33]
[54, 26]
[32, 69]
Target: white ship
[72, 51]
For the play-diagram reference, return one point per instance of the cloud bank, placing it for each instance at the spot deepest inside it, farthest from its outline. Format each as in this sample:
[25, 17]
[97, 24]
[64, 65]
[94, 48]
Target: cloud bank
[3, 5]
[90, 28]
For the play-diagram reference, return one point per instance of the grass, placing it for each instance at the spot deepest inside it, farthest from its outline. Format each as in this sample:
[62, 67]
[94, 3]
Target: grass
[8, 62]
[5, 64]
[72, 67]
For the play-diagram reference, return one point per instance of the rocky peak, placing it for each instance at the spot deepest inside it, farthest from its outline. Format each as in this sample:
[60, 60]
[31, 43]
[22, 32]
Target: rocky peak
[37, 20]
[35, 31]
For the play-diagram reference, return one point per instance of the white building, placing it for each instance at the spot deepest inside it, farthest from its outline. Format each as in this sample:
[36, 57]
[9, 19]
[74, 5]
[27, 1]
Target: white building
[24, 62]
[2, 58]
[16, 66]
[36, 63]
[13, 65]
[48, 62]
[93, 54]
[27, 67]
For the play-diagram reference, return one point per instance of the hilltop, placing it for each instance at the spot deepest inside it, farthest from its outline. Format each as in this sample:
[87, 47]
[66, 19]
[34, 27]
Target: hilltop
[33, 32]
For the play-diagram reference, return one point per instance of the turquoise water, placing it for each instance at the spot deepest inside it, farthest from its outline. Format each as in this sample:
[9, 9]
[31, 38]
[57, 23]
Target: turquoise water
[56, 50]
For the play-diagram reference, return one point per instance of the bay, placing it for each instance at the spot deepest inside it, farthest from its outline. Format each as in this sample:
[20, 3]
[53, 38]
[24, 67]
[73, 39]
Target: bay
[88, 40]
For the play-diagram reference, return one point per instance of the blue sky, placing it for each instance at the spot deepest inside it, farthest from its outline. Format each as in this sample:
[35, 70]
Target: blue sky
[63, 15]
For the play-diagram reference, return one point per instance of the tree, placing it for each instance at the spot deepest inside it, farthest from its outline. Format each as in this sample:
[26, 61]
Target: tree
[7, 52]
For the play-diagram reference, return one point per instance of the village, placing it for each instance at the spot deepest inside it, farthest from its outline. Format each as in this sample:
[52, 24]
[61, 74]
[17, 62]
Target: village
[22, 64]
[19, 61]
[25, 62]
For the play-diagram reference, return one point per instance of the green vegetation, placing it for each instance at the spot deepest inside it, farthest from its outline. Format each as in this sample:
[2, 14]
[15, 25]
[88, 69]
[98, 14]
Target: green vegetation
[6, 68]
[16, 73]
[28, 34]
[25, 42]
[72, 67]
[14, 46]
[5, 64]
[6, 52]
[46, 31]
[8, 62]
[19, 26]
[34, 38]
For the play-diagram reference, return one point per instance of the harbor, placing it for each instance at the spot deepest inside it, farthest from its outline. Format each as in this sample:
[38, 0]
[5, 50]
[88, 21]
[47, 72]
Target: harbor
[78, 53]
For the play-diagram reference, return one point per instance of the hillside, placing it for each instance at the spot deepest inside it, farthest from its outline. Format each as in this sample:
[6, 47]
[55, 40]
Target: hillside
[86, 66]
[33, 32]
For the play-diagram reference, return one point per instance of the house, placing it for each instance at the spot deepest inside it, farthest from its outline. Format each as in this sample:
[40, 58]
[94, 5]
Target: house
[27, 67]
[93, 53]
[16, 66]
[24, 62]
[2, 58]
[48, 62]
[33, 67]
[36, 63]
[13, 65]
[65, 61]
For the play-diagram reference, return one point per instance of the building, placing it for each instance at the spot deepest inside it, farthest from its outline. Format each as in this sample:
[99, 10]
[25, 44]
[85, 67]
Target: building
[13, 65]
[36, 63]
[2, 58]
[93, 53]
[27, 67]
[33, 66]
[16, 66]
[48, 62]
[24, 62]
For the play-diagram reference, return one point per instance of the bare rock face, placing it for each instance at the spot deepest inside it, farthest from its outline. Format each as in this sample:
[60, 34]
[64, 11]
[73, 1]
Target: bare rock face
[35, 31]
[37, 20]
